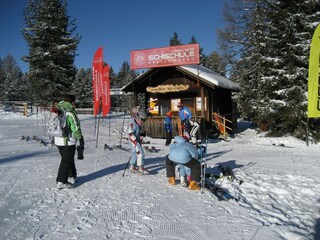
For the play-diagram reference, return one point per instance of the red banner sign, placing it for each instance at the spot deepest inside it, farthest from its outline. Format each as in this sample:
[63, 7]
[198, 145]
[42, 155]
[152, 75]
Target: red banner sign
[97, 66]
[106, 100]
[166, 56]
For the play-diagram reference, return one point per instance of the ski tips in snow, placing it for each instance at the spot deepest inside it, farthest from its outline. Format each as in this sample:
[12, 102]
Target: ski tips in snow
[228, 172]
[106, 146]
[111, 148]
[35, 138]
[212, 183]
[152, 149]
[220, 193]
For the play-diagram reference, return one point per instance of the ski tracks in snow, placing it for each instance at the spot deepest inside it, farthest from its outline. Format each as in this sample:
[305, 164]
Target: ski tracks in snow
[105, 205]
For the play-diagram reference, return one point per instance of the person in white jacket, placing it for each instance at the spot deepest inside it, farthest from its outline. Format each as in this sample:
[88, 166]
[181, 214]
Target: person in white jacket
[136, 163]
[66, 144]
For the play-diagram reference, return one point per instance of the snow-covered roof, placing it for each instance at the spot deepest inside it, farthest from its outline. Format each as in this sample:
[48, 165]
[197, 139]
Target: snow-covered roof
[209, 77]
[204, 74]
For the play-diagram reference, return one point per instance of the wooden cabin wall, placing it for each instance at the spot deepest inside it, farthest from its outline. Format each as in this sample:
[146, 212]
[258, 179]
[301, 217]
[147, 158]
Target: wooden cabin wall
[217, 99]
[154, 126]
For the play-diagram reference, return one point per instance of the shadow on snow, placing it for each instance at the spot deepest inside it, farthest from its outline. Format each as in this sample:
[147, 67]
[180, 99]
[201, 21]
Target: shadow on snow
[154, 165]
[22, 156]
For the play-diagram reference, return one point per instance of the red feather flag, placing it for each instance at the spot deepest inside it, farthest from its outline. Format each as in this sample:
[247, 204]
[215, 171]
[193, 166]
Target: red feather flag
[97, 67]
[106, 100]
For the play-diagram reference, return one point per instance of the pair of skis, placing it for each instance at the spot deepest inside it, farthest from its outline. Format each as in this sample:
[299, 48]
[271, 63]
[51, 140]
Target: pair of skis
[222, 194]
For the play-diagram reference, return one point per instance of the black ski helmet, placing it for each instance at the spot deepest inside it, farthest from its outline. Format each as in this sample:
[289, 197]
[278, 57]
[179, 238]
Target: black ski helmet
[141, 115]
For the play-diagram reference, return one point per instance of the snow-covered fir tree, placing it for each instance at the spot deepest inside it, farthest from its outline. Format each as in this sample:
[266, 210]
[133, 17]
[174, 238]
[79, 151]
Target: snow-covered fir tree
[124, 76]
[2, 80]
[290, 32]
[216, 63]
[82, 87]
[242, 43]
[268, 52]
[49, 33]
[14, 84]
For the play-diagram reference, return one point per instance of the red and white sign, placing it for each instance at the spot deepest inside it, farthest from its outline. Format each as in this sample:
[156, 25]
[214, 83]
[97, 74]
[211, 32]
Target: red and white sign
[166, 56]
[97, 66]
[106, 99]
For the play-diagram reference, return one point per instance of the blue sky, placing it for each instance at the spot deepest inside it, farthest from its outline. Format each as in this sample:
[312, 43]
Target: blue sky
[120, 26]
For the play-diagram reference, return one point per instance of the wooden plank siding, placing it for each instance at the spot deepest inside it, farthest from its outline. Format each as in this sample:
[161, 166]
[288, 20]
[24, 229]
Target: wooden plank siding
[168, 83]
[154, 127]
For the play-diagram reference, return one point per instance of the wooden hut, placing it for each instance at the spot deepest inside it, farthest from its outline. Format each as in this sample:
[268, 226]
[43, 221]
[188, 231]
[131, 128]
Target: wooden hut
[200, 89]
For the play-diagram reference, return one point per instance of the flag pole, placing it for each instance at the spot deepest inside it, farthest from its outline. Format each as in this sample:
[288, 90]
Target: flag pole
[307, 132]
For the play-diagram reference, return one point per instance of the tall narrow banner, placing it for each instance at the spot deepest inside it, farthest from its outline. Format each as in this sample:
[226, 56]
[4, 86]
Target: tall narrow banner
[314, 76]
[166, 56]
[97, 67]
[106, 100]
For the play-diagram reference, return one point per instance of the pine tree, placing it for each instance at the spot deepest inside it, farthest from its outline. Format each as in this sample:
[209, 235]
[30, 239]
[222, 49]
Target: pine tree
[241, 45]
[113, 77]
[114, 85]
[82, 87]
[201, 53]
[231, 39]
[291, 28]
[174, 40]
[125, 76]
[13, 85]
[2, 81]
[252, 64]
[216, 63]
[267, 45]
[52, 48]
[23, 88]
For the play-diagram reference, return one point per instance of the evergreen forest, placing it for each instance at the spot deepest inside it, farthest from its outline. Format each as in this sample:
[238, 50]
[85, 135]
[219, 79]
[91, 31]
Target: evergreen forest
[263, 46]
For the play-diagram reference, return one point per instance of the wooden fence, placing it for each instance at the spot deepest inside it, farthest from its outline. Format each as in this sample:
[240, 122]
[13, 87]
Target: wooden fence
[154, 126]
[25, 108]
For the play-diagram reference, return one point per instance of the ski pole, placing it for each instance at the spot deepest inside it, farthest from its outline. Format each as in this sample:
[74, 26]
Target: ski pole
[127, 165]
[124, 118]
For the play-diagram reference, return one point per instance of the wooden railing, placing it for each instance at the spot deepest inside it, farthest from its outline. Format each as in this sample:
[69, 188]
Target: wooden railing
[220, 122]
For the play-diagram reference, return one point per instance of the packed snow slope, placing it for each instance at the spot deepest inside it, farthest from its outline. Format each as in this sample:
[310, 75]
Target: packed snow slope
[279, 198]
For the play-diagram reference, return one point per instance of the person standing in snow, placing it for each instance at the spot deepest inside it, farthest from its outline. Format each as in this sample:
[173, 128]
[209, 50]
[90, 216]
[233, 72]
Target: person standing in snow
[168, 127]
[137, 153]
[189, 127]
[182, 152]
[67, 172]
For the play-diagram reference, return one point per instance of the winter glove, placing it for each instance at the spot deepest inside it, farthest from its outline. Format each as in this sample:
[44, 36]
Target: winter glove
[80, 149]
[80, 152]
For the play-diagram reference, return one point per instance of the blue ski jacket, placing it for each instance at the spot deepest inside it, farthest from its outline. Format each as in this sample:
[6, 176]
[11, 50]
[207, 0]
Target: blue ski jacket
[167, 124]
[181, 151]
[185, 113]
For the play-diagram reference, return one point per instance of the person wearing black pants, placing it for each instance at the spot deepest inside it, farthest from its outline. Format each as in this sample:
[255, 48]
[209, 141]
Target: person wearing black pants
[182, 152]
[67, 166]
[193, 164]
[70, 139]
[168, 127]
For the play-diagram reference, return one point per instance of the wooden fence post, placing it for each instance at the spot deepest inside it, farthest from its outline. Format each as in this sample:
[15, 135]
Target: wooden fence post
[25, 109]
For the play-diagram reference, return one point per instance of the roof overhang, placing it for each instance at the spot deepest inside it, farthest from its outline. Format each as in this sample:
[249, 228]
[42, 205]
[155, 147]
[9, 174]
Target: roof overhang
[205, 76]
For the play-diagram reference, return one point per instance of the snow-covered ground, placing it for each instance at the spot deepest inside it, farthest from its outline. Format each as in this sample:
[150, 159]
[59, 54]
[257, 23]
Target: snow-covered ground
[279, 199]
